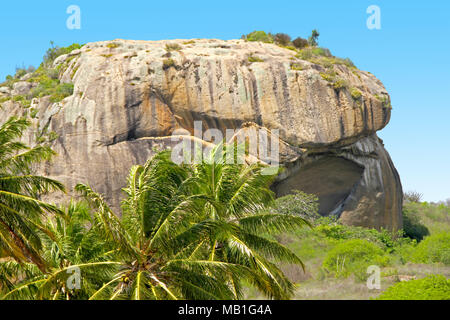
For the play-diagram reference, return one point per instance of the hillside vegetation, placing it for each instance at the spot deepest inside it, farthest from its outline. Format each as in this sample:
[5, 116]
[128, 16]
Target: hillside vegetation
[337, 256]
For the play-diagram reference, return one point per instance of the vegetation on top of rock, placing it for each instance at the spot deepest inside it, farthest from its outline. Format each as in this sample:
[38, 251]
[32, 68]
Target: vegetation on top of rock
[173, 47]
[308, 50]
[300, 43]
[260, 36]
[313, 39]
[282, 39]
[45, 80]
[55, 51]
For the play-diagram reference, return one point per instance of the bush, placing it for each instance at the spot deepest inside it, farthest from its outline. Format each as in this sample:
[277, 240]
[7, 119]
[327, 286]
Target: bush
[173, 47]
[168, 63]
[433, 287]
[282, 39]
[252, 59]
[259, 36]
[20, 72]
[340, 84]
[435, 248]
[356, 94]
[412, 225]
[353, 257]
[384, 238]
[55, 51]
[309, 53]
[300, 43]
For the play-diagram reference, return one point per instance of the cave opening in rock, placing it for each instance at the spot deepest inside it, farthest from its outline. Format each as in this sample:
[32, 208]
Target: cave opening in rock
[330, 178]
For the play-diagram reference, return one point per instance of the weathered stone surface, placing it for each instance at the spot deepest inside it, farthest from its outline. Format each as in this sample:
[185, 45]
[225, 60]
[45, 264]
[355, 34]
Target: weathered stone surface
[21, 88]
[130, 95]
[5, 91]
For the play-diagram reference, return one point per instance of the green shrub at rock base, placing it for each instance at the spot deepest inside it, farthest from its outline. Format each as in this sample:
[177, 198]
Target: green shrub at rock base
[433, 287]
[412, 225]
[434, 249]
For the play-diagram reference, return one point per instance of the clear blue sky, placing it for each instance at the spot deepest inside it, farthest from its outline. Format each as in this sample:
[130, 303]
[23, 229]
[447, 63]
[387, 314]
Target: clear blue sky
[410, 54]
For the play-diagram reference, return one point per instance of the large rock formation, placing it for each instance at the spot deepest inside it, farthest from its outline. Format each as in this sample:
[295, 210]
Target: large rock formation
[129, 96]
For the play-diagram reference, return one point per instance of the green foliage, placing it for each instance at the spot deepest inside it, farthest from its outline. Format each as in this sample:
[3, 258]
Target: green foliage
[296, 67]
[356, 94]
[252, 59]
[21, 212]
[412, 225]
[385, 102]
[186, 232]
[55, 51]
[328, 76]
[435, 217]
[434, 249]
[353, 257]
[340, 84]
[433, 287]
[50, 87]
[259, 36]
[313, 39]
[384, 238]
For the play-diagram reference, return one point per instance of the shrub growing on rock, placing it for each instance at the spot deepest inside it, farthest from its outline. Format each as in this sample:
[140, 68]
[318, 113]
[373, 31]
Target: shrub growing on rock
[282, 39]
[55, 51]
[259, 36]
[300, 43]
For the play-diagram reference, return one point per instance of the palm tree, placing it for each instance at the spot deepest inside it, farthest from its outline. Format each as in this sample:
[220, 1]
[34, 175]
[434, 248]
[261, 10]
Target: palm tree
[186, 232]
[69, 243]
[212, 212]
[236, 219]
[20, 209]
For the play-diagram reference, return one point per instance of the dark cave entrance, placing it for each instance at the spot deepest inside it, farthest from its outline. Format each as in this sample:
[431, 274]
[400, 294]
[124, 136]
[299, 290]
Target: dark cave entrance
[330, 178]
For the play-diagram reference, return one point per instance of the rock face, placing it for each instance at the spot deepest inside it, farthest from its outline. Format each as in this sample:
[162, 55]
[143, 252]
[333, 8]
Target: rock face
[129, 96]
